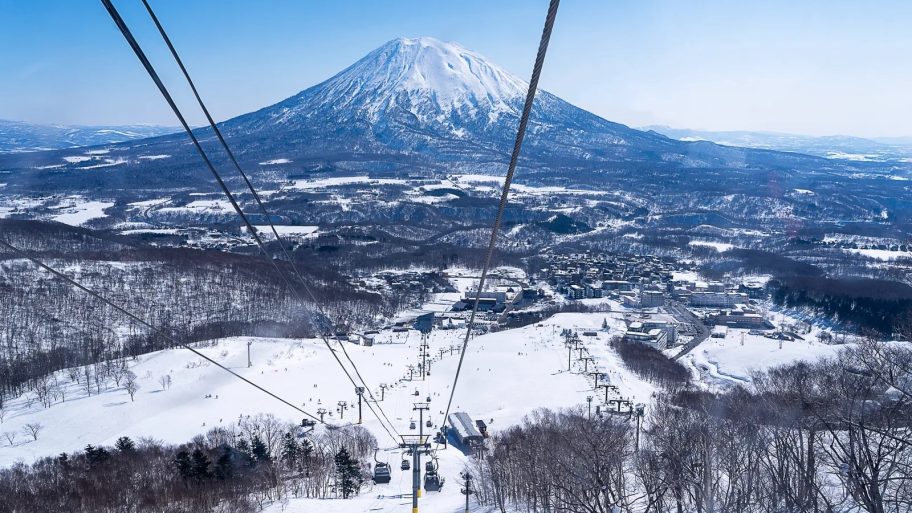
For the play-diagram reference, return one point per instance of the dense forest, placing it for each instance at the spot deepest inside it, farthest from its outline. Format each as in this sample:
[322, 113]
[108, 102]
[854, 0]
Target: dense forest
[194, 295]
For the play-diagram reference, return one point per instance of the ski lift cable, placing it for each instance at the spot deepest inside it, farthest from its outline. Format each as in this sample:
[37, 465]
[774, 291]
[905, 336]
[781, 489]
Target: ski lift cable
[141, 321]
[137, 49]
[266, 213]
[514, 157]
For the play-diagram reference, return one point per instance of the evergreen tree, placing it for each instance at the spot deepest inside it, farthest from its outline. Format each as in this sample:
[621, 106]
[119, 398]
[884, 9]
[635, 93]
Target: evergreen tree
[290, 450]
[200, 469]
[348, 473]
[184, 464]
[605, 323]
[223, 465]
[96, 455]
[258, 449]
[125, 445]
[243, 446]
[306, 449]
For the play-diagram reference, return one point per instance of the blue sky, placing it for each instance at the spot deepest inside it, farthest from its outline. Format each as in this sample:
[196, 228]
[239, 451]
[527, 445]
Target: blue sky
[807, 66]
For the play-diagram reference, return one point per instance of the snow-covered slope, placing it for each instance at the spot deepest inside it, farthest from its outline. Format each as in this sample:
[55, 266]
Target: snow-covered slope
[506, 375]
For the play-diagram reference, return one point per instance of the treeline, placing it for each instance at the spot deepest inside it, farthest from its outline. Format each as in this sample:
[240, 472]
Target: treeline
[866, 303]
[819, 438]
[650, 364]
[237, 470]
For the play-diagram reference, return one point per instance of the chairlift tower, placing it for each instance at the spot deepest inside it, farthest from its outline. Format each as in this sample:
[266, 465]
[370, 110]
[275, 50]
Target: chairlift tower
[415, 444]
[321, 412]
[423, 348]
[359, 391]
[608, 387]
[596, 374]
[586, 361]
[639, 411]
[342, 406]
[467, 491]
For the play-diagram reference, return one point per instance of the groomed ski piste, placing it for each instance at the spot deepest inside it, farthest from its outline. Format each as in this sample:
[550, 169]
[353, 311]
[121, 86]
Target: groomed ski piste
[506, 376]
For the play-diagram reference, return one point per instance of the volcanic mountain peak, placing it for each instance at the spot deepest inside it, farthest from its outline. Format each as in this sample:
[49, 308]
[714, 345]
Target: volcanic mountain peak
[427, 77]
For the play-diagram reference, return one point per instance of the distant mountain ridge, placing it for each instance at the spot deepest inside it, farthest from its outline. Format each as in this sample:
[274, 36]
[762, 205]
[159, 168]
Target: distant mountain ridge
[832, 146]
[19, 136]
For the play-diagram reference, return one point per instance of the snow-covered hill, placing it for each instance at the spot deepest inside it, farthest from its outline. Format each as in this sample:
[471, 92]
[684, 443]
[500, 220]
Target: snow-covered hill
[17, 136]
[506, 375]
[834, 146]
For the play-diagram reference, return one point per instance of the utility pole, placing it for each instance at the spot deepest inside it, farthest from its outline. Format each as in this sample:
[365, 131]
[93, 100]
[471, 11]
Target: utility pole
[411, 369]
[383, 390]
[343, 405]
[321, 412]
[360, 393]
[249, 362]
[468, 488]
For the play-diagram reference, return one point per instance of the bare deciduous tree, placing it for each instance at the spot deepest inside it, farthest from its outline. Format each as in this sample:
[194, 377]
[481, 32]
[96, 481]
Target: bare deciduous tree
[32, 429]
[130, 384]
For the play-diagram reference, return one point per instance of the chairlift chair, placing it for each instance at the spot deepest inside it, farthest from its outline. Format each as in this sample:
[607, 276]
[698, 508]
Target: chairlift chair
[412, 425]
[382, 473]
[432, 480]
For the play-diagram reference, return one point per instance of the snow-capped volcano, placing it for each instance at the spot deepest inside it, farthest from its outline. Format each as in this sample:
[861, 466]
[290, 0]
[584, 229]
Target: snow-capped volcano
[423, 103]
[424, 95]
[424, 76]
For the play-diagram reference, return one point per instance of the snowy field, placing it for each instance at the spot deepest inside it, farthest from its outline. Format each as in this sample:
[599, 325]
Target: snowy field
[285, 230]
[76, 211]
[880, 254]
[721, 247]
[725, 361]
[506, 375]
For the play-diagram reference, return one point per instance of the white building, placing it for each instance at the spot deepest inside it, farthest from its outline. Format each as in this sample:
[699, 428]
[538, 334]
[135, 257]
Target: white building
[718, 299]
